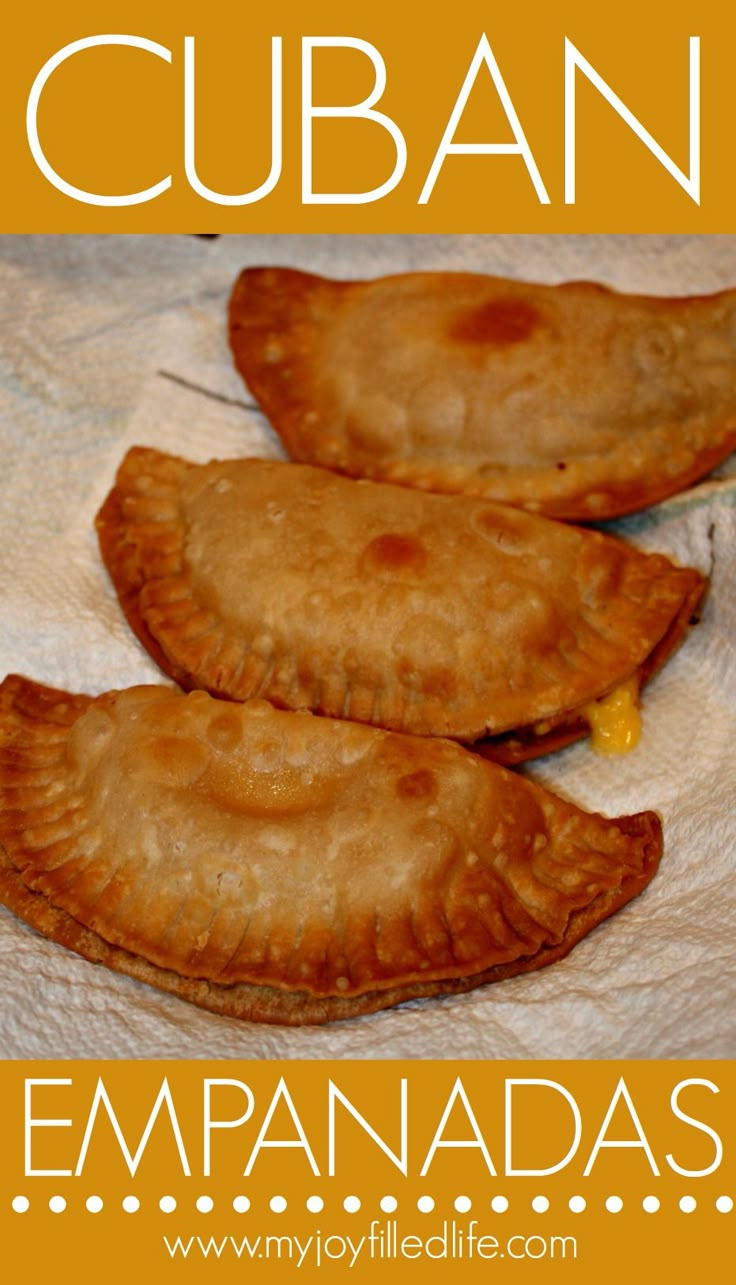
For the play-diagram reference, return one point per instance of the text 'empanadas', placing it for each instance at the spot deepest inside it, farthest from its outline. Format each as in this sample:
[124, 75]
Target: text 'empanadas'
[428, 614]
[287, 868]
[571, 400]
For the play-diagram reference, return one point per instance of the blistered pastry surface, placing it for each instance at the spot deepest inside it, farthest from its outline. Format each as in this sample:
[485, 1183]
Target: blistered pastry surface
[436, 615]
[239, 844]
[573, 400]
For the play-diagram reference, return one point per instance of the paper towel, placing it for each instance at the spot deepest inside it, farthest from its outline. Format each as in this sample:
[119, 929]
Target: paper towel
[110, 341]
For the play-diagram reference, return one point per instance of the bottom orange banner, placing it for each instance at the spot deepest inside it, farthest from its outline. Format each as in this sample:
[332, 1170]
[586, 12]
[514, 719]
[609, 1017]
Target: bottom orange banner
[198, 1170]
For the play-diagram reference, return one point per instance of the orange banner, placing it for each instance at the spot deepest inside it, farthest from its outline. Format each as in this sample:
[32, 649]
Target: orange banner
[559, 1170]
[294, 118]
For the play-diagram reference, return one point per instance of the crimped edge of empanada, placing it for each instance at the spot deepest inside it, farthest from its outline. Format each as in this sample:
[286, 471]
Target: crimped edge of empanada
[292, 1008]
[274, 332]
[37, 711]
[138, 552]
[528, 743]
[124, 567]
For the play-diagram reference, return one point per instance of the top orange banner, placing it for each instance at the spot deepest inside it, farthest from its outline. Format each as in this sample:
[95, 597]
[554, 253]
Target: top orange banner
[333, 118]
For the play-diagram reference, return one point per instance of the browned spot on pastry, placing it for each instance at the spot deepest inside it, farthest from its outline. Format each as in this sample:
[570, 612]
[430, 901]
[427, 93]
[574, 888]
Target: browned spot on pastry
[441, 682]
[176, 760]
[417, 785]
[502, 322]
[393, 552]
[225, 731]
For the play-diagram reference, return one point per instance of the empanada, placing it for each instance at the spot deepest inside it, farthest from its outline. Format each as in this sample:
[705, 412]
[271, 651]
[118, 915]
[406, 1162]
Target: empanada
[283, 867]
[573, 400]
[428, 614]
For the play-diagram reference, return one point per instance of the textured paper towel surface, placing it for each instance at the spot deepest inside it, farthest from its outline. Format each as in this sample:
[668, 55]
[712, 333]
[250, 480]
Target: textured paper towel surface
[110, 341]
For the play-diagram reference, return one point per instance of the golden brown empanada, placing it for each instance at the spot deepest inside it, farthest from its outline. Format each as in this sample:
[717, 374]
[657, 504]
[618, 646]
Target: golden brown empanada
[573, 400]
[429, 614]
[282, 867]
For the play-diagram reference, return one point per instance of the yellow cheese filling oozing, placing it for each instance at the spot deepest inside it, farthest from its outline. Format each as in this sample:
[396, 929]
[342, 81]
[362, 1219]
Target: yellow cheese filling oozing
[615, 721]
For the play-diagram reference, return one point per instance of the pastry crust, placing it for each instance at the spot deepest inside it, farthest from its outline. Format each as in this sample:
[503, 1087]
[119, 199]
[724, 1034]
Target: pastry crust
[434, 615]
[573, 400]
[285, 868]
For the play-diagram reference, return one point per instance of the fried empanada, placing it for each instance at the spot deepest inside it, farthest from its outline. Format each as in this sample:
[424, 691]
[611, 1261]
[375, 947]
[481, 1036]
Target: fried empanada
[428, 614]
[287, 868]
[573, 400]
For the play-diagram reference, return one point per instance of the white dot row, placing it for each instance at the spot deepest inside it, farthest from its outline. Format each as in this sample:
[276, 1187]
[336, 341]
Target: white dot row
[387, 1204]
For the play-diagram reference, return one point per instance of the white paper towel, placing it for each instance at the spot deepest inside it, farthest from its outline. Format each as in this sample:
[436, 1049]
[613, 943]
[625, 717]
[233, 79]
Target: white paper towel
[110, 341]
